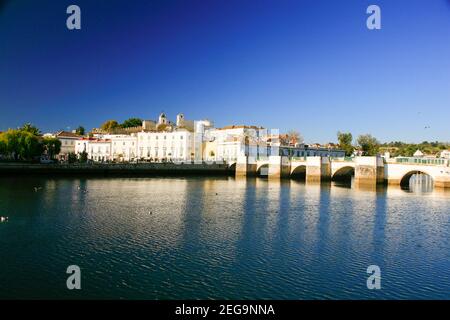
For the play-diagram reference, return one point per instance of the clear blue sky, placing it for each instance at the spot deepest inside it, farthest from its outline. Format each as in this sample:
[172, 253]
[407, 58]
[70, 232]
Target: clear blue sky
[308, 65]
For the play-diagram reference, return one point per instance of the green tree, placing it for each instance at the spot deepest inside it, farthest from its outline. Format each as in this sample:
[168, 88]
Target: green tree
[52, 146]
[83, 157]
[110, 125]
[11, 140]
[345, 140]
[28, 127]
[3, 149]
[80, 131]
[131, 122]
[29, 145]
[72, 157]
[20, 144]
[368, 144]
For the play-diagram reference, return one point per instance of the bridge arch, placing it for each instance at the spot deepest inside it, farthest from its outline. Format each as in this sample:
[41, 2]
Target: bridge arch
[404, 181]
[260, 164]
[344, 174]
[299, 172]
[262, 170]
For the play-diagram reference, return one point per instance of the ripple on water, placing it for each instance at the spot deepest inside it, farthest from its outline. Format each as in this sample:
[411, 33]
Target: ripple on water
[221, 238]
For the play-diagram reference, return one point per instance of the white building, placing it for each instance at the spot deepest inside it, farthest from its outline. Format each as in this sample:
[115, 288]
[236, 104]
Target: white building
[124, 147]
[96, 149]
[201, 131]
[177, 145]
[186, 140]
[418, 153]
[445, 154]
[157, 141]
[68, 141]
[231, 142]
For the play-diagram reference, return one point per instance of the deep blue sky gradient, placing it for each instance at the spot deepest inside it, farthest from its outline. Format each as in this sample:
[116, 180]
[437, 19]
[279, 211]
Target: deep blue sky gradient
[309, 65]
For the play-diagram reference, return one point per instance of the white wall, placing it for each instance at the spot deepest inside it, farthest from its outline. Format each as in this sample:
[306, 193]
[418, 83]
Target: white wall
[176, 145]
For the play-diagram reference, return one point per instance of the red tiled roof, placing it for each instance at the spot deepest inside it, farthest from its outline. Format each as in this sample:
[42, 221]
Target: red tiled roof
[94, 140]
[239, 127]
[66, 134]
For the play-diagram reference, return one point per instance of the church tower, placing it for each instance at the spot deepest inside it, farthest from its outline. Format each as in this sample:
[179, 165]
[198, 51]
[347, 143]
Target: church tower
[162, 118]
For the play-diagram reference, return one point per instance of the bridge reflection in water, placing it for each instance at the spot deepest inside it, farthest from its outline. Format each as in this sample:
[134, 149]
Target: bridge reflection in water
[419, 182]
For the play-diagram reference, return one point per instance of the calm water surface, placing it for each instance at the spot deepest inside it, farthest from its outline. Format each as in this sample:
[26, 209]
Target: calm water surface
[205, 238]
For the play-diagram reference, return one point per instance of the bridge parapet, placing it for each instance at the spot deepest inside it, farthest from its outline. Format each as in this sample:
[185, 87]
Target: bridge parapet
[420, 161]
[342, 159]
[298, 158]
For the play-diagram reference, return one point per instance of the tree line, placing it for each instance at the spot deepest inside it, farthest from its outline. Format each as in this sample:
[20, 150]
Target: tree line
[370, 146]
[111, 125]
[366, 143]
[26, 144]
[398, 148]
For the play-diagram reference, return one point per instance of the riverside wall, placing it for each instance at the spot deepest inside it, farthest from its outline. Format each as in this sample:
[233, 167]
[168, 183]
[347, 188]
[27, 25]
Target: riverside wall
[145, 169]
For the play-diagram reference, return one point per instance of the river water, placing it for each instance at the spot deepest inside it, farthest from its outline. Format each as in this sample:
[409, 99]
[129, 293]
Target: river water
[220, 238]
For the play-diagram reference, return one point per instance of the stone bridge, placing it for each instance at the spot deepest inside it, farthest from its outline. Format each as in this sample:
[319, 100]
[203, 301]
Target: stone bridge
[365, 170]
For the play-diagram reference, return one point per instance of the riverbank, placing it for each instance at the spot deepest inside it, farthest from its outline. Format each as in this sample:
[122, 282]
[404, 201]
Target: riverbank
[116, 169]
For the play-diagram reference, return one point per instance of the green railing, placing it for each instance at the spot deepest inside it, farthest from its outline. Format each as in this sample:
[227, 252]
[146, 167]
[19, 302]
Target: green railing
[427, 161]
[346, 159]
[298, 158]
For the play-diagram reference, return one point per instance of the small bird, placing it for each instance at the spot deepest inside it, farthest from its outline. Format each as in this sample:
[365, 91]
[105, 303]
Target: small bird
[3, 219]
[36, 189]
[427, 127]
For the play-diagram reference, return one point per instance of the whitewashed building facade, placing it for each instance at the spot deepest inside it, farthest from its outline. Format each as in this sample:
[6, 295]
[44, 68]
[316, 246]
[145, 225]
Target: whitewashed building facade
[96, 149]
[175, 145]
